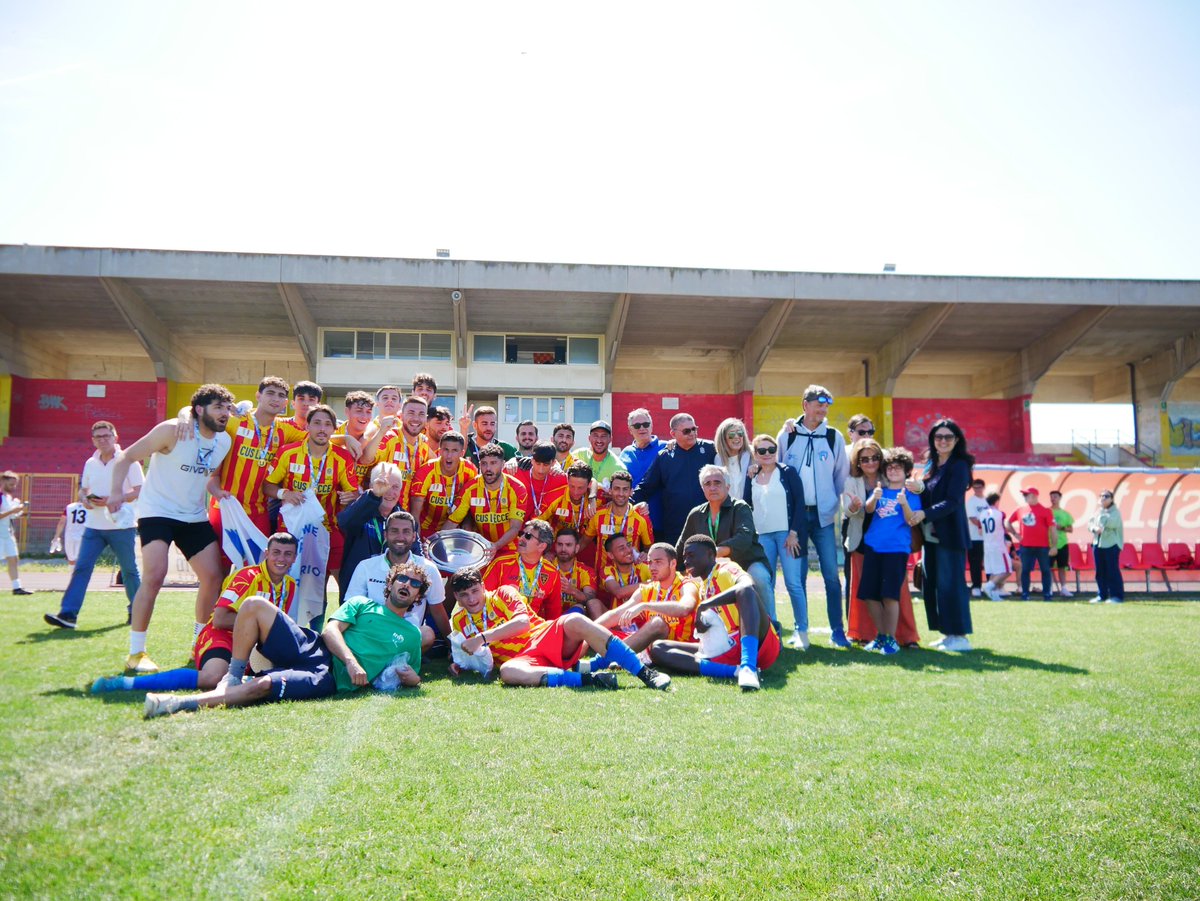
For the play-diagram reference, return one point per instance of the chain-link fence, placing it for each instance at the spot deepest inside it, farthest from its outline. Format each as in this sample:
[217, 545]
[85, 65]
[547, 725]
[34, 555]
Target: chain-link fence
[48, 495]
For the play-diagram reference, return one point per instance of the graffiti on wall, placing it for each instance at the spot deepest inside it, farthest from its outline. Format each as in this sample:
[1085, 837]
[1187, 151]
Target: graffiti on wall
[1185, 429]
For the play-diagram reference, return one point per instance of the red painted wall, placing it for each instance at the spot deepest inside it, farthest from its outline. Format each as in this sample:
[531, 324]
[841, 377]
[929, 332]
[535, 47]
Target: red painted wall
[707, 409]
[60, 408]
[991, 426]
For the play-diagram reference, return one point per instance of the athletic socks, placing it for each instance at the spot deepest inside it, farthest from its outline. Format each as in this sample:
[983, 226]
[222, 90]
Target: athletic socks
[237, 668]
[199, 628]
[563, 679]
[622, 655]
[171, 680]
[137, 643]
[717, 670]
[750, 651]
[16, 584]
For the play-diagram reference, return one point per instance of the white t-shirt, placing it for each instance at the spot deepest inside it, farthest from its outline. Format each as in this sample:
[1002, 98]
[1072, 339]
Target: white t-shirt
[370, 577]
[97, 480]
[7, 502]
[77, 520]
[770, 505]
[176, 484]
[991, 521]
[975, 508]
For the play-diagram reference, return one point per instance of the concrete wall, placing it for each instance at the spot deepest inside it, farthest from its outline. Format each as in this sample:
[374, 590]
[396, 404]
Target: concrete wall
[991, 426]
[707, 409]
[61, 408]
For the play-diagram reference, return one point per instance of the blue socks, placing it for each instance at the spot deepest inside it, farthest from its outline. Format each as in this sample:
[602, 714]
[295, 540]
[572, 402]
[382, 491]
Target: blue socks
[717, 670]
[561, 679]
[171, 680]
[750, 651]
[622, 655]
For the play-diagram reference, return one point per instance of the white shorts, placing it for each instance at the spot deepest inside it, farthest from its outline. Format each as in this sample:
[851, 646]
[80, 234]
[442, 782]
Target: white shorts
[996, 561]
[8, 545]
[71, 547]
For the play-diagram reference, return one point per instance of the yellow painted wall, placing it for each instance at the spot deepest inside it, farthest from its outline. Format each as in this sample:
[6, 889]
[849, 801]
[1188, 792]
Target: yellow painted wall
[5, 404]
[770, 411]
[179, 393]
[1167, 458]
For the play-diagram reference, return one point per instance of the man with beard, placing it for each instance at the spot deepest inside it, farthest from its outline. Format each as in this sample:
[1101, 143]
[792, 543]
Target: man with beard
[598, 453]
[370, 577]
[563, 437]
[358, 643]
[492, 502]
[578, 581]
[440, 483]
[407, 448]
[437, 423]
[572, 507]
[484, 420]
[172, 507]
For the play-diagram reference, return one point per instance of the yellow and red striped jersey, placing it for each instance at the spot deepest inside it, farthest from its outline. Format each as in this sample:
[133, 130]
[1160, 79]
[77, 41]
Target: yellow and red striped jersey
[361, 470]
[583, 577]
[499, 607]
[255, 580]
[329, 474]
[679, 628]
[606, 523]
[409, 456]
[638, 574]
[492, 511]
[562, 512]
[540, 585]
[252, 455]
[724, 576]
[440, 491]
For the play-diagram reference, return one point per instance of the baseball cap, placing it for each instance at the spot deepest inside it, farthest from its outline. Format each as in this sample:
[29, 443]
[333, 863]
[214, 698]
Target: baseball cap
[601, 424]
[1032, 491]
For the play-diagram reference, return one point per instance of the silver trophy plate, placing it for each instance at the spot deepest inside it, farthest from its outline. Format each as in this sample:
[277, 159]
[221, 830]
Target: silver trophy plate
[453, 549]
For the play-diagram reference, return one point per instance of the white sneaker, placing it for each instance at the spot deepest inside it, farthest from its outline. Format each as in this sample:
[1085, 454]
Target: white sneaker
[798, 641]
[956, 643]
[1004, 594]
[1096, 600]
[872, 645]
[976, 593]
[939, 644]
[1067, 593]
[747, 678]
[991, 592]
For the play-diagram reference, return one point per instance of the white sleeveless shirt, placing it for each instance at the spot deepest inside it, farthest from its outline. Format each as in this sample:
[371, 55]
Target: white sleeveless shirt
[176, 482]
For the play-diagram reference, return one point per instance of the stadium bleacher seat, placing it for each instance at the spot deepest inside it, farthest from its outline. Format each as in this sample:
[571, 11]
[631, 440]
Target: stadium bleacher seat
[1153, 557]
[1179, 555]
[1129, 557]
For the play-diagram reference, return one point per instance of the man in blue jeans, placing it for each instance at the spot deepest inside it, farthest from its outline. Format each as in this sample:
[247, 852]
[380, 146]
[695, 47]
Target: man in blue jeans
[818, 454]
[115, 530]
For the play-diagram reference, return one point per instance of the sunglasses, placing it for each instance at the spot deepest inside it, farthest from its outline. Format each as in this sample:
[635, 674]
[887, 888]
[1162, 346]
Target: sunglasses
[737, 434]
[529, 536]
[945, 436]
[409, 580]
[821, 399]
[690, 431]
[871, 459]
[866, 433]
[765, 451]
[639, 425]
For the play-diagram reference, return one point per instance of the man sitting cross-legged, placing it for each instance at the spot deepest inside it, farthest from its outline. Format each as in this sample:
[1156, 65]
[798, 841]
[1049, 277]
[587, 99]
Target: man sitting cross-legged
[740, 638]
[530, 650]
[214, 644]
[660, 608]
[358, 644]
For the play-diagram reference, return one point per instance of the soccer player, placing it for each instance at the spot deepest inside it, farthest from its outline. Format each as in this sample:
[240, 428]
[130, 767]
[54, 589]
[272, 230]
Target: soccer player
[578, 581]
[543, 482]
[996, 562]
[598, 454]
[621, 577]
[388, 401]
[527, 437]
[529, 571]
[358, 643]
[976, 504]
[657, 598]
[437, 424]
[495, 507]
[351, 433]
[532, 651]
[724, 597]
[484, 420]
[1060, 557]
[618, 516]
[407, 447]
[424, 386]
[573, 507]
[370, 577]
[305, 396]
[563, 437]
[214, 645]
[311, 465]
[439, 484]
[172, 507]
[11, 507]
[68, 534]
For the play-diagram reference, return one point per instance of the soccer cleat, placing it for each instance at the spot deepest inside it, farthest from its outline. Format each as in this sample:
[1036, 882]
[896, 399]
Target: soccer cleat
[747, 678]
[873, 645]
[108, 683]
[652, 678]
[62, 620]
[140, 664]
[604, 680]
[798, 641]
[21, 591]
[889, 647]
[838, 639]
[160, 705]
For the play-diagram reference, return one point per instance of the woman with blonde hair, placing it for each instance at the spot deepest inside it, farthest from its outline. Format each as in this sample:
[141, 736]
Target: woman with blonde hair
[733, 453]
[866, 472]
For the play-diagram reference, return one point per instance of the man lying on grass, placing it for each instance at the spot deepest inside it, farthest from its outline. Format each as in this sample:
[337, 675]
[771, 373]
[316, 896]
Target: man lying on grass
[531, 650]
[358, 645]
[736, 636]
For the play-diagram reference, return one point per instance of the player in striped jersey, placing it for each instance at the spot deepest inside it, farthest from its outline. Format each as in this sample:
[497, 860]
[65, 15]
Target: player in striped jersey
[541, 480]
[572, 507]
[578, 581]
[388, 400]
[424, 386]
[438, 423]
[406, 447]
[530, 571]
[620, 578]
[530, 650]
[440, 483]
[491, 502]
[563, 437]
[312, 465]
[269, 580]
[349, 435]
[618, 517]
[736, 637]
[658, 598]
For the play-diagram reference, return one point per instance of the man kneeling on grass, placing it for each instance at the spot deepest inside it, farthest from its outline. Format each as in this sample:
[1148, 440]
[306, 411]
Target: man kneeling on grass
[531, 650]
[358, 646]
[736, 637]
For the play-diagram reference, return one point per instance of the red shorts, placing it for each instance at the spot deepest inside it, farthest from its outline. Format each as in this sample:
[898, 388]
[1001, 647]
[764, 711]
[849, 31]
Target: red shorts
[768, 652]
[212, 639]
[336, 543]
[214, 519]
[549, 648]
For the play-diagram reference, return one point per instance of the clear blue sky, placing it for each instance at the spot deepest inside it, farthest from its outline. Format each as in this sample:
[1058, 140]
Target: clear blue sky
[1015, 138]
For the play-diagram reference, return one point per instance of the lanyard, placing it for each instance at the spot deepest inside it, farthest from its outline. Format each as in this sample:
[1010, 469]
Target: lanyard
[203, 454]
[266, 449]
[320, 477]
[529, 584]
[537, 499]
[483, 615]
[713, 525]
[452, 485]
[672, 592]
[620, 579]
[579, 515]
[273, 595]
[377, 528]
[624, 522]
[409, 453]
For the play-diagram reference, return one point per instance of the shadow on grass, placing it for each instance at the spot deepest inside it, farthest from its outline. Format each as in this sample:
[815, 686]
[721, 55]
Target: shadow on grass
[980, 660]
[52, 633]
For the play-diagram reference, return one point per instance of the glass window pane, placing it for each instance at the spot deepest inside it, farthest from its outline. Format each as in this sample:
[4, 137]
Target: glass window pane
[558, 409]
[489, 349]
[527, 408]
[449, 401]
[585, 351]
[404, 346]
[435, 346]
[543, 410]
[587, 409]
[339, 345]
[512, 409]
[366, 346]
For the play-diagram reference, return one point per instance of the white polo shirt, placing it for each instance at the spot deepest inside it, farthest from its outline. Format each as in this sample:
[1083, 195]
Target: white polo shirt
[370, 577]
[97, 480]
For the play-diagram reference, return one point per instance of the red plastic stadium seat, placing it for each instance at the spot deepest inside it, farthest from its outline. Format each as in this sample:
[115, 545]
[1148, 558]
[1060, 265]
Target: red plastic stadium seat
[1079, 558]
[1153, 556]
[1129, 557]
[1179, 556]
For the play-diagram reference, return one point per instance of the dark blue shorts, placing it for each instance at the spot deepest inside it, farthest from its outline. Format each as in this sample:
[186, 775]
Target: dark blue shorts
[302, 664]
[883, 575]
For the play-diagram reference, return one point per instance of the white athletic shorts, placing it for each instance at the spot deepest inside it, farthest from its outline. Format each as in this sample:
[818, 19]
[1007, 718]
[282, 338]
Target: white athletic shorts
[8, 545]
[996, 562]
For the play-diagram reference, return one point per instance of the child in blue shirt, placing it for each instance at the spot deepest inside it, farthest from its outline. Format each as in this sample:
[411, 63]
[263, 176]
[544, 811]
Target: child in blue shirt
[886, 546]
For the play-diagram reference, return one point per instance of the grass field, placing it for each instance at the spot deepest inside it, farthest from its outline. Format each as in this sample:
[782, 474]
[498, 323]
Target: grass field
[1058, 760]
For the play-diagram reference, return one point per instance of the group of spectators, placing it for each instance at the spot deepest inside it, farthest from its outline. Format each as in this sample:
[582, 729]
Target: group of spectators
[571, 558]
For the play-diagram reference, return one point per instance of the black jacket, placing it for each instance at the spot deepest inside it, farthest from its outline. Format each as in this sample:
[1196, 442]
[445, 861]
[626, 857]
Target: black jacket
[735, 530]
[945, 503]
